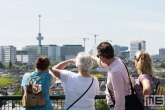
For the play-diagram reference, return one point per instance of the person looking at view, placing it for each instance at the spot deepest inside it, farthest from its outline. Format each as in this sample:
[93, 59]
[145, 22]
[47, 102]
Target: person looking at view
[117, 82]
[47, 78]
[75, 84]
[145, 83]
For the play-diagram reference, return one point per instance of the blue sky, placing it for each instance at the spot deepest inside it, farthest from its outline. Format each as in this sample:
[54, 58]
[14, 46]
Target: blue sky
[121, 21]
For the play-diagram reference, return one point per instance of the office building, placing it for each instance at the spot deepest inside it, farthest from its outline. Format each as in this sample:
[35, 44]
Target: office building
[70, 51]
[135, 46]
[123, 48]
[162, 51]
[7, 54]
[157, 57]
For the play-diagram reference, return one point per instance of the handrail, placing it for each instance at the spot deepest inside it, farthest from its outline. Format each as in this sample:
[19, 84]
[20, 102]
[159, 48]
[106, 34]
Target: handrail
[19, 97]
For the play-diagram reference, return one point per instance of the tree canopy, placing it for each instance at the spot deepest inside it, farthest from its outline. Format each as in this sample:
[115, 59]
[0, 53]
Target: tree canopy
[6, 81]
[10, 64]
[1, 65]
[161, 74]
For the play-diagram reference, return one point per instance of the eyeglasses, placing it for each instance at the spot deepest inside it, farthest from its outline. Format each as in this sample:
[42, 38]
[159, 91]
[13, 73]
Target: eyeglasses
[98, 56]
[136, 58]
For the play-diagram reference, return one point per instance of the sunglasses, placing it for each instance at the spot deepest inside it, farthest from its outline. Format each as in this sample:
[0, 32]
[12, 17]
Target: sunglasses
[136, 58]
[98, 56]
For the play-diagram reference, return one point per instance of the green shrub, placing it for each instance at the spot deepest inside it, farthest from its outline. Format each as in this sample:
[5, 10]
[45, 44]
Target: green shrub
[161, 107]
[101, 104]
[7, 81]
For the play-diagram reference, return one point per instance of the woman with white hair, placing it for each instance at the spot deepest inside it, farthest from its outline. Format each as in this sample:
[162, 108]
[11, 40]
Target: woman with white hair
[80, 88]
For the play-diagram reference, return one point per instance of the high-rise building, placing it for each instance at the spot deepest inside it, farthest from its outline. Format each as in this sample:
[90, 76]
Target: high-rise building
[123, 48]
[8, 53]
[70, 51]
[162, 51]
[135, 46]
[117, 51]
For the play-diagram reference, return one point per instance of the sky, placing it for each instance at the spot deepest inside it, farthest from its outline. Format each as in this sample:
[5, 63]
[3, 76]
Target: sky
[67, 22]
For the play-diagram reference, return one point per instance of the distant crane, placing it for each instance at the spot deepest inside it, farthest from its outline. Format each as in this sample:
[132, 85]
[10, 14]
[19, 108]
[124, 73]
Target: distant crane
[84, 41]
[95, 35]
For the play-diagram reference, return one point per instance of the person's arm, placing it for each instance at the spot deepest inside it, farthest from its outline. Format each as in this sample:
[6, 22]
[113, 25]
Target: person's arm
[94, 59]
[53, 76]
[56, 69]
[99, 62]
[146, 87]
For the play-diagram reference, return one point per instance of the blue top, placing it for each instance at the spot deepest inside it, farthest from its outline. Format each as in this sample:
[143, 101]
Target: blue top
[45, 81]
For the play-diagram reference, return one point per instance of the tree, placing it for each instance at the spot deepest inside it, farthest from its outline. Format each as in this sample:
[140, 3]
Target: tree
[7, 81]
[1, 65]
[10, 64]
[15, 65]
[6, 65]
[162, 65]
[70, 66]
[54, 63]
[161, 74]
[101, 105]
[95, 65]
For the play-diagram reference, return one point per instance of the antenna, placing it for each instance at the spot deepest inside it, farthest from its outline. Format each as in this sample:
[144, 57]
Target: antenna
[39, 38]
[39, 23]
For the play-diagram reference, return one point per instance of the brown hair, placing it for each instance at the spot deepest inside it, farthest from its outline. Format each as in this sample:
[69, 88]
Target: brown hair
[106, 50]
[42, 63]
[144, 63]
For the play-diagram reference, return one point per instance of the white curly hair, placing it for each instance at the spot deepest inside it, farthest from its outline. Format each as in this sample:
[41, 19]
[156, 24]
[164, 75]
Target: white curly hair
[83, 61]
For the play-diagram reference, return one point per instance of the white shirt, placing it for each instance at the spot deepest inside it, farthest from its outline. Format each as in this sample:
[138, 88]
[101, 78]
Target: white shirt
[75, 85]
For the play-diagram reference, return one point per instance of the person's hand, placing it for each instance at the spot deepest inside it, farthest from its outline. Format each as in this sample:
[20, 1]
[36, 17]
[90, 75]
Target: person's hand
[72, 61]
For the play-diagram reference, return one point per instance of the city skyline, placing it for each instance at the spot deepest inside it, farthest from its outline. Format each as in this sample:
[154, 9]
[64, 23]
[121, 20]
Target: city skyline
[63, 21]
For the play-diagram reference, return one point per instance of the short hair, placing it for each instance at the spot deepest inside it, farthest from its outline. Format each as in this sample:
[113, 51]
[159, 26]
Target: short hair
[42, 63]
[84, 61]
[106, 50]
[144, 62]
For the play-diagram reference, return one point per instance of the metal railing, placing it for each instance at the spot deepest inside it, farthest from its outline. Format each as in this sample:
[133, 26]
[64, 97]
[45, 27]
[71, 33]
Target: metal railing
[15, 102]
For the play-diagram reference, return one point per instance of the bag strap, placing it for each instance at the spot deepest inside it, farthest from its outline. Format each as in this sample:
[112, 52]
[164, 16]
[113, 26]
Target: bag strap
[111, 98]
[132, 90]
[130, 83]
[110, 93]
[81, 95]
[30, 79]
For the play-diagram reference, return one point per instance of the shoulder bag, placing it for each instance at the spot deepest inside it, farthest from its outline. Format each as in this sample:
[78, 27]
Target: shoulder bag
[131, 101]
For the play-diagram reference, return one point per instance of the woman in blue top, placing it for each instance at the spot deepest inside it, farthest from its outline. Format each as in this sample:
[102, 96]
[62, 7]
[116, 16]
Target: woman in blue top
[47, 78]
